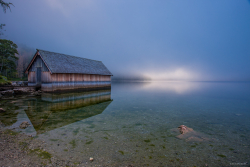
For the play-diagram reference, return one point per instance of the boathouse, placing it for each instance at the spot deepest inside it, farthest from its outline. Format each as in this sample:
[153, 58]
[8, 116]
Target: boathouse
[57, 72]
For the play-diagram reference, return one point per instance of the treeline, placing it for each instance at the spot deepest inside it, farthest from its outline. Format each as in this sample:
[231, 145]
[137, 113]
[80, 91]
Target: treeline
[14, 60]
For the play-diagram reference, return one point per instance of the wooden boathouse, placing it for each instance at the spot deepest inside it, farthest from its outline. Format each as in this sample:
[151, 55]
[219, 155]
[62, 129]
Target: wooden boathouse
[57, 72]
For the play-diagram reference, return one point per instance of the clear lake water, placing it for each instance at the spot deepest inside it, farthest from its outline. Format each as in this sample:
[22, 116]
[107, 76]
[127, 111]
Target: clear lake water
[136, 123]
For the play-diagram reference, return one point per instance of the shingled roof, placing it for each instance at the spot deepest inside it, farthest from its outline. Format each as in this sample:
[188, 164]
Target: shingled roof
[62, 63]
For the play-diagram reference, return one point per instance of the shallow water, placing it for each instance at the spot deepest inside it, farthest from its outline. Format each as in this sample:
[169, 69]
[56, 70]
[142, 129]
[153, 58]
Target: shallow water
[135, 123]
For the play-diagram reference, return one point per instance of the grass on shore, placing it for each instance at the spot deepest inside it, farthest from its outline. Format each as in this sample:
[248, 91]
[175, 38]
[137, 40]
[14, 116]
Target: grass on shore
[19, 79]
[4, 80]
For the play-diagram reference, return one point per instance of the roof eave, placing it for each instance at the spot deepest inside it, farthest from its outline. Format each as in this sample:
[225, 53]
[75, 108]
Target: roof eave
[27, 69]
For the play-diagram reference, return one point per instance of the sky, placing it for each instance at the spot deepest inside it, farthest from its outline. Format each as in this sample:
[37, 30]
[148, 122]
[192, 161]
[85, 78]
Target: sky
[199, 40]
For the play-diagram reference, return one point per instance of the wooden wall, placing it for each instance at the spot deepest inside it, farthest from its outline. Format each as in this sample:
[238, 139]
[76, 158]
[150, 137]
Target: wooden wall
[38, 62]
[78, 77]
[61, 82]
[47, 77]
[32, 77]
[70, 86]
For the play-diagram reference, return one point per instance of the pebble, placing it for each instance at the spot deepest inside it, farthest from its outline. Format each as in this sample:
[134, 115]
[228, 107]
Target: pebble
[24, 125]
[91, 159]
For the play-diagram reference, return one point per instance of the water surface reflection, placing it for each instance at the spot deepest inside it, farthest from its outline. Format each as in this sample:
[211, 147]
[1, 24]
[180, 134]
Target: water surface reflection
[137, 127]
[53, 111]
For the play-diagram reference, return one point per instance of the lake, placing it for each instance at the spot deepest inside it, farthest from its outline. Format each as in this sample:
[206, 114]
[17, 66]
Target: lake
[136, 123]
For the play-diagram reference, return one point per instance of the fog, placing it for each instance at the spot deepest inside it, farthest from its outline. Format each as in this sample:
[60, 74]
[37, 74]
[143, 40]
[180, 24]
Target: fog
[158, 40]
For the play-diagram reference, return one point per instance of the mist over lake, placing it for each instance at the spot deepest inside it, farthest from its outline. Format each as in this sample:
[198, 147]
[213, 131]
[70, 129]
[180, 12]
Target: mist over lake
[170, 40]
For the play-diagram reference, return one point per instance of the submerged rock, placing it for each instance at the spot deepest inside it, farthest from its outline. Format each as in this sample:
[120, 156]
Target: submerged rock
[37, 93]
[21, 91]
[24, 125]
[189, 134]
[18, 91]
[184, 129]
[7, 93]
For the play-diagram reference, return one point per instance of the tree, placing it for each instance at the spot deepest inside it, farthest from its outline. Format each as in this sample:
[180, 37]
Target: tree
[1, 28]
[5, 5]
[8, 49]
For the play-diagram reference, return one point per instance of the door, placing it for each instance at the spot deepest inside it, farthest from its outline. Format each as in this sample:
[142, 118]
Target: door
[38, 75]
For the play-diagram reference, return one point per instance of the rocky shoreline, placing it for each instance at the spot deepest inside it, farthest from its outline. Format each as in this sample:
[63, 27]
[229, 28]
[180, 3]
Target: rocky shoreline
[17, 149]
[18, 91]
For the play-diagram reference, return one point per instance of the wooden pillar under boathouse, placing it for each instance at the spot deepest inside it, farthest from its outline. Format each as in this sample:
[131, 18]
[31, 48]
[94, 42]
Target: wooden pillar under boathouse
[59, 72]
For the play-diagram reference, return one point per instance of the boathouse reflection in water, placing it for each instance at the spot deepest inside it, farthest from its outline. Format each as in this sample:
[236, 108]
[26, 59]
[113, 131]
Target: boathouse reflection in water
[58, 110]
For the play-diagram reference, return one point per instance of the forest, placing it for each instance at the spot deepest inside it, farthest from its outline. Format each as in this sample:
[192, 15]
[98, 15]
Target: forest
[14, 60]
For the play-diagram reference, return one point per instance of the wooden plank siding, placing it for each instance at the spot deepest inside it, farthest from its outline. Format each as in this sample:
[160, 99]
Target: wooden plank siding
[78, 78]
[60, 82]
[46, 77]
[32, 77]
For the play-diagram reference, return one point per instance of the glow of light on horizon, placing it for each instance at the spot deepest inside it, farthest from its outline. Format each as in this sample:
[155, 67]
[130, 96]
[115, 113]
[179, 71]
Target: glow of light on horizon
[177, 74]
[178, 87]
